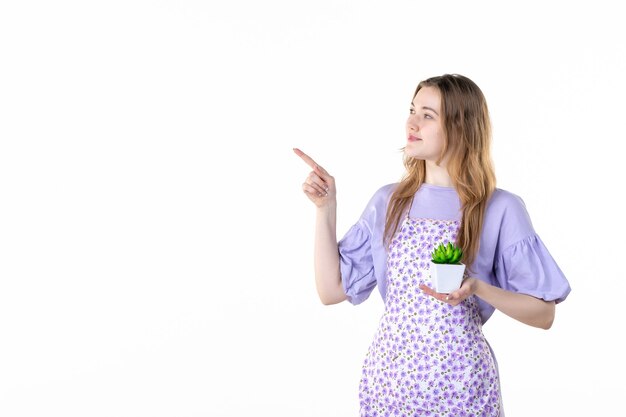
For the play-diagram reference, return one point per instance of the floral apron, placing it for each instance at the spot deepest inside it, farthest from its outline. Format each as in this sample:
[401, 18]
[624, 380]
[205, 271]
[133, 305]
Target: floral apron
[428, 358]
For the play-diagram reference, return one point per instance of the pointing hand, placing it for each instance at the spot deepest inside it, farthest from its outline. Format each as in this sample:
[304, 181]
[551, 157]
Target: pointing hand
[319, 186]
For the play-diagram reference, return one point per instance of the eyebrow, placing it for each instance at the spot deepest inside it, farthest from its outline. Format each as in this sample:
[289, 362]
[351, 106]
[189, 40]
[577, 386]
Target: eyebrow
[426, 108]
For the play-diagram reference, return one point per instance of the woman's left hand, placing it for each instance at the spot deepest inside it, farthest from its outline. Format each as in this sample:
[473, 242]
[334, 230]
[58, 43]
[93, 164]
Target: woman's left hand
[468, 288]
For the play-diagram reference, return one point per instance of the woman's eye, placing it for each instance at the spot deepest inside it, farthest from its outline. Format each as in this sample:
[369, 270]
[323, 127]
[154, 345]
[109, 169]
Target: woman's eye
[411, 111]
[427, 116]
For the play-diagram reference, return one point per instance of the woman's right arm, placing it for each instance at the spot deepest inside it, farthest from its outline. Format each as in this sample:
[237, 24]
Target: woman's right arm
[327, 272]
[319, 187]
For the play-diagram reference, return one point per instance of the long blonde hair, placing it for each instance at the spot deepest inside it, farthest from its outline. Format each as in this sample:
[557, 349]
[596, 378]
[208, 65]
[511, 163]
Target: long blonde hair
[467, 133]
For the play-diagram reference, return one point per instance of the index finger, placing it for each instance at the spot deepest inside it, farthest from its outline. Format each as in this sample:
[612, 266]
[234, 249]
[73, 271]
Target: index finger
[306, 158]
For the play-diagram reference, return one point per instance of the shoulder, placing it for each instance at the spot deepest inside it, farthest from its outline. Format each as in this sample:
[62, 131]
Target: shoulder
[507, 211]
[376, 208]
[383, 194]
[503, 201]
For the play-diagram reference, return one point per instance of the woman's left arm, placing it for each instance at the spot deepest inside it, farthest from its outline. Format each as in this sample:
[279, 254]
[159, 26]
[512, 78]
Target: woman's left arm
[525, 308]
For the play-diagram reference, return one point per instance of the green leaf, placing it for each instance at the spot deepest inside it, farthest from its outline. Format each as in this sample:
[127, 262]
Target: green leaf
[457, 257]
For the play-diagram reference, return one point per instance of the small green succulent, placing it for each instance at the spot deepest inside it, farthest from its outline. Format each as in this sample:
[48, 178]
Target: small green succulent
[450, 254]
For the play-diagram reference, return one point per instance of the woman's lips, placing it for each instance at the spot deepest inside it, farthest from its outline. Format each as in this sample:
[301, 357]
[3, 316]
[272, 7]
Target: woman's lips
[413, 138]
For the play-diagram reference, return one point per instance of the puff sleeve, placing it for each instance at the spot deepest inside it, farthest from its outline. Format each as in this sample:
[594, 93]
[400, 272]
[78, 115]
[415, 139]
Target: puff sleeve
[356, 263]
[362, 253]
[527, 267]
[523, 263]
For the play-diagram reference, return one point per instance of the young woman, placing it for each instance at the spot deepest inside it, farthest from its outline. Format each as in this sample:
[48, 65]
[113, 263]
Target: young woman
[429, 356]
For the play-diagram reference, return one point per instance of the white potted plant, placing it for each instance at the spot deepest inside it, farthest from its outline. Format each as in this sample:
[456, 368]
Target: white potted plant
[446, 270]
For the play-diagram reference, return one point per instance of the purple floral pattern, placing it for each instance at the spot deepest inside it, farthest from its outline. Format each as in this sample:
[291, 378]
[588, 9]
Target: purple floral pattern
[428, 358]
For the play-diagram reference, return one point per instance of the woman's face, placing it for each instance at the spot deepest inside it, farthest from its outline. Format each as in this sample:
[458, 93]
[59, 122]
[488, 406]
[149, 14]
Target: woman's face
[424, 131]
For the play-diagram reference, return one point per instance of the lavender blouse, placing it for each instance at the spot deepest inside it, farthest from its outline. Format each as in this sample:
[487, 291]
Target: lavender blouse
[511, 254]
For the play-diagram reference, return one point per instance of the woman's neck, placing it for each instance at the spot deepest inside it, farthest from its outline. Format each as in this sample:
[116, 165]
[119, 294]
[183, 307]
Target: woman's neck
[437, 175]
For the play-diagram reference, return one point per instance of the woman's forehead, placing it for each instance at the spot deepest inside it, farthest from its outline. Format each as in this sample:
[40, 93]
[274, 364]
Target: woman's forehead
[427, 97]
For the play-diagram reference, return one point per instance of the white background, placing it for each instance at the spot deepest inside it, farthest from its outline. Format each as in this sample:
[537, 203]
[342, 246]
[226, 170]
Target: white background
[155, 245]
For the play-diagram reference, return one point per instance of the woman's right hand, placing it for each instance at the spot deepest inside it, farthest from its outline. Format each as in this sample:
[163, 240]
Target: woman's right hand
[319, 186]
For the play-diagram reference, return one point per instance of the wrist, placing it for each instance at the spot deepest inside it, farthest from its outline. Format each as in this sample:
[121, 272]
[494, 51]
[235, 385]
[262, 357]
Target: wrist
[475, 285]
[478, 287]
[329, 207]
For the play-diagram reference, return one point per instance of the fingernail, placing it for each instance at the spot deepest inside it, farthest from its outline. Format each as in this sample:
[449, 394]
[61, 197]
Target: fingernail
[447, 298]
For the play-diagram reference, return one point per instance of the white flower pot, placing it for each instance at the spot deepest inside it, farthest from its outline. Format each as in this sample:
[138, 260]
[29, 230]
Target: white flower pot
[446, 278]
